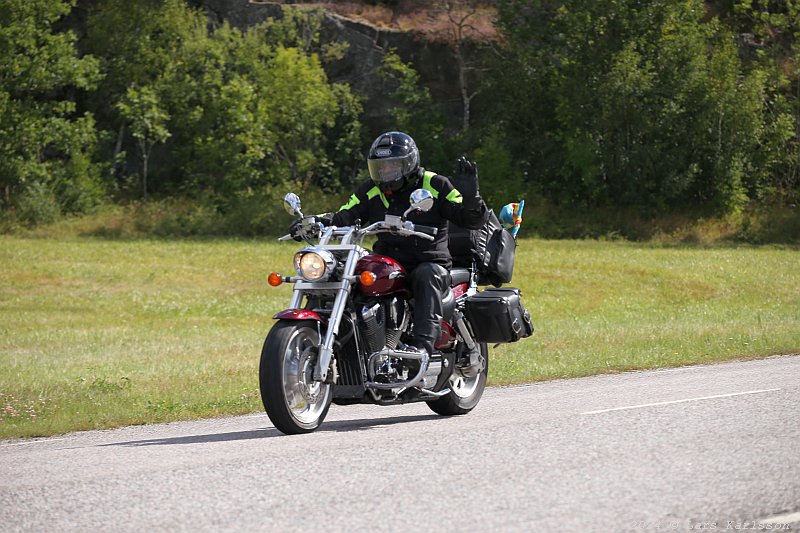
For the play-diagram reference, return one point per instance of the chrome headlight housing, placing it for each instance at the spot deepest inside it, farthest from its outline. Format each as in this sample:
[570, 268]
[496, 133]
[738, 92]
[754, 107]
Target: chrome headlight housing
[314, 264]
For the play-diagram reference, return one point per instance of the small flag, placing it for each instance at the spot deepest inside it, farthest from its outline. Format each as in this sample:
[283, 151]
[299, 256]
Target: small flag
[511, 217]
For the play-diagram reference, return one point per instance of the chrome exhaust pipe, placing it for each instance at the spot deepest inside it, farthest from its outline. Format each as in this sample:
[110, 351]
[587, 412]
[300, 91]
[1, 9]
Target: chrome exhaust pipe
[422, 356]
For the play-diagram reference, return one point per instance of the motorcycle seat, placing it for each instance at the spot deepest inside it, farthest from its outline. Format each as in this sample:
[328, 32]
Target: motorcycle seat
[459, 276]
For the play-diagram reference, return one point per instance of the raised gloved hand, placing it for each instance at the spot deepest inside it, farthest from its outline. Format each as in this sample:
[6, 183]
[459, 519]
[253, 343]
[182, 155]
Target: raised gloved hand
[466, 180]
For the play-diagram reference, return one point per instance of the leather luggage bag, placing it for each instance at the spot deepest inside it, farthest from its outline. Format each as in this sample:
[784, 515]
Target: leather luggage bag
[498, 316]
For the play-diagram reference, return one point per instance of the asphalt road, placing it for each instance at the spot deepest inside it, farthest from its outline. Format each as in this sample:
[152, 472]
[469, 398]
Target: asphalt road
[714, 447]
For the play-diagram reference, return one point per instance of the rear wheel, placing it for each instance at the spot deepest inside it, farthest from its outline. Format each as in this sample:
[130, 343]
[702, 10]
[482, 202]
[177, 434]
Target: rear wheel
[465, 392]
[293, 400]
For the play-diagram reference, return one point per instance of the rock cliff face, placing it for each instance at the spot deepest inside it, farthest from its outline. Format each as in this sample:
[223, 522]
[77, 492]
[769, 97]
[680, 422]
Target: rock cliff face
[433, 61]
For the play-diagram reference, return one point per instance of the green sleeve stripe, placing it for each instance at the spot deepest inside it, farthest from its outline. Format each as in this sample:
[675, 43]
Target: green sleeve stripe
[426, 183]
[354, 201]
[375, 191]
[455, 196]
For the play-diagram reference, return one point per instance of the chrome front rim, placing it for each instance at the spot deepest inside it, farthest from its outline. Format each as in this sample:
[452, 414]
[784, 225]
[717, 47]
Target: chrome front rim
[305, 398]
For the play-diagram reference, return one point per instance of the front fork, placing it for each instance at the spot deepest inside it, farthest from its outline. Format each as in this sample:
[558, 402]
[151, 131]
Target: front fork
[326, 349]
[343, 289]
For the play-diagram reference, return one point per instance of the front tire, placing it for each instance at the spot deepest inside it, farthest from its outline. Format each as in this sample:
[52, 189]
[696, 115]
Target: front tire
[465, 393]
[294, 402]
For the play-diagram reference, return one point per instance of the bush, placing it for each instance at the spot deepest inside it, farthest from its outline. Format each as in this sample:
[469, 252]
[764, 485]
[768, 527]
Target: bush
[37, 205]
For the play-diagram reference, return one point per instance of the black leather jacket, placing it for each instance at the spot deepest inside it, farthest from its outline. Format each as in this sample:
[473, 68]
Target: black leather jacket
[368, 204]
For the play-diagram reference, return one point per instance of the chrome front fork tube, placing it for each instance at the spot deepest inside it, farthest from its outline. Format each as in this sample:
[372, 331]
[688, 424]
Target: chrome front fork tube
[326, 348]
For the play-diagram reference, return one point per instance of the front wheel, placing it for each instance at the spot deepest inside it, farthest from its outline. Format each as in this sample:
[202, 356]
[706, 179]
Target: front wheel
[465, 392]
[293, 400]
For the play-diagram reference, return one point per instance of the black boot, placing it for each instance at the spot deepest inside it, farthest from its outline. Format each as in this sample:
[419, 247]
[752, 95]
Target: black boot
[421, 344]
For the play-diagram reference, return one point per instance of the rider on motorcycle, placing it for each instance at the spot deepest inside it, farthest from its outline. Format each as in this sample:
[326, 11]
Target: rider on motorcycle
[395, 171]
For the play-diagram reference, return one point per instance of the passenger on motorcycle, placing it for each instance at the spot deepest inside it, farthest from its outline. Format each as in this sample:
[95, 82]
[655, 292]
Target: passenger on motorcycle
[395, 171]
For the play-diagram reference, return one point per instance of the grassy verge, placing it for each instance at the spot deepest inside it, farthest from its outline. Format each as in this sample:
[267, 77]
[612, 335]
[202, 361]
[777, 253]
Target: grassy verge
[97, 333]
[608, 307]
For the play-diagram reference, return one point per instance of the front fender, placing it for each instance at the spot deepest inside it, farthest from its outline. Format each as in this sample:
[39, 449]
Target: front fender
[298, 314]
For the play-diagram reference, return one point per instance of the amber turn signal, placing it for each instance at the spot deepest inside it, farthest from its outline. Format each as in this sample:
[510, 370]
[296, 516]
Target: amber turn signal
[275, 279]
[367, 278]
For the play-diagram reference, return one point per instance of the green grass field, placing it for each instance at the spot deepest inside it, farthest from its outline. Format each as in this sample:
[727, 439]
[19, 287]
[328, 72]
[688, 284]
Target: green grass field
[100, 333]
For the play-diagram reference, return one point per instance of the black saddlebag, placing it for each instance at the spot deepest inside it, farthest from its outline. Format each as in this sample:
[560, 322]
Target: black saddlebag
[497, 315]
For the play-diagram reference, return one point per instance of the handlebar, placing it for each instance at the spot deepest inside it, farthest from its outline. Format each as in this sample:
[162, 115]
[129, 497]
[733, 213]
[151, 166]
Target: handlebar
[399, 227]
[392, 224]
[430, 230]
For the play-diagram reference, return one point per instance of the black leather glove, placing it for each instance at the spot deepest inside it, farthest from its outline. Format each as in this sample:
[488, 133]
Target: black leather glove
[308, 226]
[296, 230]
[467, 180]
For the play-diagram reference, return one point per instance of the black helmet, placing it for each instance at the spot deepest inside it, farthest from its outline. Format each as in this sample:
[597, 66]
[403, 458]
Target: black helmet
[393, 161]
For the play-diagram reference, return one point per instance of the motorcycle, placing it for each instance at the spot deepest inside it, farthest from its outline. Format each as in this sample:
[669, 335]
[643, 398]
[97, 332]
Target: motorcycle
[344, 337]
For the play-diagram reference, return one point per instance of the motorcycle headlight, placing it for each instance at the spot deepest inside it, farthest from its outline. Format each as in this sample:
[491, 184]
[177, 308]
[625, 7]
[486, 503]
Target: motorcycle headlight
[314, 264]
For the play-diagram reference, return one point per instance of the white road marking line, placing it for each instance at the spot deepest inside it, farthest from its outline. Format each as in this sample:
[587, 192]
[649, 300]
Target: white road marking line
[782, 519]
[676, 369]
[29, 442]
[678, 401]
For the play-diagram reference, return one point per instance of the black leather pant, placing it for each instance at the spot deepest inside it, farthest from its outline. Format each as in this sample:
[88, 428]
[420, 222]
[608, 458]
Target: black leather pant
[429, 285]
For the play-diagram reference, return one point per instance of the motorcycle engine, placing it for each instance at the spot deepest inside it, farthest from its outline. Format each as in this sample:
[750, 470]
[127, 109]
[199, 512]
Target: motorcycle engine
[383, 321]
[397, 317]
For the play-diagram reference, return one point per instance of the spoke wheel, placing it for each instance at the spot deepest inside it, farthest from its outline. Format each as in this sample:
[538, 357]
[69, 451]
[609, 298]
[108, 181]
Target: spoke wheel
[293, 400]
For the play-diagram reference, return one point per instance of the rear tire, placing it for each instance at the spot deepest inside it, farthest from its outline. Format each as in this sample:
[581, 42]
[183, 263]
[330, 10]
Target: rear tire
[293, 400]
[465, 393]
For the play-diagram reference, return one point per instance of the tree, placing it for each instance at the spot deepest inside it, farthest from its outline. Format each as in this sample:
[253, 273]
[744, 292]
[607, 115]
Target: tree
[770, 35]
[137, 43]
[45, 146]
[244, 109]
[415, 111]
[459, 13]
[623, 102]
[147, 120]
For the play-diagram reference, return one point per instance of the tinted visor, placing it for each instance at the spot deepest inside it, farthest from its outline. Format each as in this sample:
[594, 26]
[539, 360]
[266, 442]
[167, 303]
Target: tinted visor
[385, 171]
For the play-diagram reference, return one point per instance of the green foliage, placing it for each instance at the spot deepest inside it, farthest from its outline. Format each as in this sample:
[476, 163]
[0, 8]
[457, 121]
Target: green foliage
[415, 113]
[633, 103]
[45, 144]
[244, 109]
[37, 204]
[648, 106]
[770, 33]
[501, 181]
[142, 110]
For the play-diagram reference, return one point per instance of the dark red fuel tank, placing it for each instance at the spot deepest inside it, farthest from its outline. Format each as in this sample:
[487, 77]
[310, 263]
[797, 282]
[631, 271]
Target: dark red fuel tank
[390, 276]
